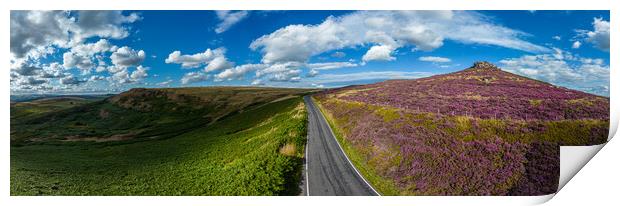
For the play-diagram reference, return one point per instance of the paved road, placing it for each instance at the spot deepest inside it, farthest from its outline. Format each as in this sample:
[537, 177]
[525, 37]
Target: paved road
[328, 171]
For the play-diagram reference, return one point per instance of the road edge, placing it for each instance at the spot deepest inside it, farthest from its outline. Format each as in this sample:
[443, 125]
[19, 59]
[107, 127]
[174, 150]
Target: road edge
[342, 150]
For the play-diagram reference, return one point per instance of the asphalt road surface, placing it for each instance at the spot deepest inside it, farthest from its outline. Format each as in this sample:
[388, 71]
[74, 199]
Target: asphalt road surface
[328, 172]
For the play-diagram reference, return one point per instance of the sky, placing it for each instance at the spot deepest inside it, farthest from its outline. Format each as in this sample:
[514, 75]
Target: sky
[87, 52]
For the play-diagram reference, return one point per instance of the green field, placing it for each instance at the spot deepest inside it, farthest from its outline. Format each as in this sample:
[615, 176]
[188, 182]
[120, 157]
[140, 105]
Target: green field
[252, 149]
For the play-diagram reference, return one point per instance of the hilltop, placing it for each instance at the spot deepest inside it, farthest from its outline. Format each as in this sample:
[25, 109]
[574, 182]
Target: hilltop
[483, 91]
[478, 131]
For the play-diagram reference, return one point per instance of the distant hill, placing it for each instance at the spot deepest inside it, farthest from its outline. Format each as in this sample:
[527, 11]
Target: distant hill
[479, 131]
[33, 97]
[135, 114]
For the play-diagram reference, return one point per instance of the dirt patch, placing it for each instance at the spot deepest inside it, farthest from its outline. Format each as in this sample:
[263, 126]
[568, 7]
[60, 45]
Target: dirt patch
[288, 149]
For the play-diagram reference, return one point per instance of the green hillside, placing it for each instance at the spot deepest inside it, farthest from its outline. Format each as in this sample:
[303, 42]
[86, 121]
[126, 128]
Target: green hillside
[218, 141]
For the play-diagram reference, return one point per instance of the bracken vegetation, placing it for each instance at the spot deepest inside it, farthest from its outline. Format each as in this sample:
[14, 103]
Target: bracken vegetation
[480, 131]
[250, 143]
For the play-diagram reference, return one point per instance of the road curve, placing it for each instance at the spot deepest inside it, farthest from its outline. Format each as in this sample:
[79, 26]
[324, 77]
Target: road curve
[328, 171]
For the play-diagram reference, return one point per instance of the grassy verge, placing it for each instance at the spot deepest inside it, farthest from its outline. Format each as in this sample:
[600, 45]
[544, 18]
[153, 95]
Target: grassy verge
[255, 152]
[382, 185]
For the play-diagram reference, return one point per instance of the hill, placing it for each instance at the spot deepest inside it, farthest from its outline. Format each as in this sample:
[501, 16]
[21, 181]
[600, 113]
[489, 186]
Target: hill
[137, 114]
[209, 141]
[479, 131]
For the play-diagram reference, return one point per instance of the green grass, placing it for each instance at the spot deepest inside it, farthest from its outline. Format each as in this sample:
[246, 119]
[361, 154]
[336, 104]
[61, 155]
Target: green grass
[383, 185]
[236, 155]
[139, 114]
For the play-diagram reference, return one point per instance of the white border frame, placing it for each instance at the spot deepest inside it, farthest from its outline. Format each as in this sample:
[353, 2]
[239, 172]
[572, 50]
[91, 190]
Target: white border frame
[606, 165]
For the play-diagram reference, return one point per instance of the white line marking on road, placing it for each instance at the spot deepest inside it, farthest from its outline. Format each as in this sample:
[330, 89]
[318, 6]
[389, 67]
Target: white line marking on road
[306, 160]
[345, 154]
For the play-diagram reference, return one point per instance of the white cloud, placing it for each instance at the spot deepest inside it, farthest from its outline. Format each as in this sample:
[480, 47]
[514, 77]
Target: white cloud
[30, 81]
[96, 78]
[434, 59]
[388, 31]
[103, 24]
[365, 76]
[379, 53]
[312, 73]
[576, 45]
[564, 70]
[53, 70]
[238, 72]
[71, 80]
[71, 60]
[165, 83]
[213, 58]
[228, 19]
[126, 57]
[24, 69]
[34, 31]
[558, 38]
[90, 49]
[193, 77]
[330, 65]
[600, 36]
[139, 73]
[286, 76]
[257, 82]
[218, 63]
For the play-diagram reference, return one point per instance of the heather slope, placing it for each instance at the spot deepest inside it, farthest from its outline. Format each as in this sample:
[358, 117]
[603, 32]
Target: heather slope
[480, 131]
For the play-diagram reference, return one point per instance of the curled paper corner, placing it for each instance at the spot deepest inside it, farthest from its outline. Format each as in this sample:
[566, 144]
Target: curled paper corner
[572, 159]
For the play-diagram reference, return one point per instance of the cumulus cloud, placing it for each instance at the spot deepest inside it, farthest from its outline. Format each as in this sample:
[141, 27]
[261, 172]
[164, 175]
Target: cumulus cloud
[53, 70]
[215, 59]
[71, 60]
[127, 57]
[387, 30]
[238, 72]
[31, 81]
[600, 36]
[96, 78]
[218, 63]
[379, 53]
[289, 48]
[228, 19]
[71, 80]
[558, 38]
[193, 77]
[563, 69]
[81, 35]
[434, 59]
[286, 76]
[103, 23]
[24, 69]
[34, 31]
[139, 73]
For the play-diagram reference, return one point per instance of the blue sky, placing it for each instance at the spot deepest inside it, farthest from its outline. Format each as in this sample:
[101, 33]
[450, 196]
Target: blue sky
[112, 51]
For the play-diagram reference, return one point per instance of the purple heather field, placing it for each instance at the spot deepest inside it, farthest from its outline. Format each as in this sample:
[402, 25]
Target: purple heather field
[479, 131]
